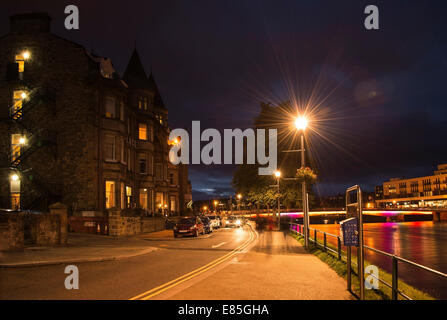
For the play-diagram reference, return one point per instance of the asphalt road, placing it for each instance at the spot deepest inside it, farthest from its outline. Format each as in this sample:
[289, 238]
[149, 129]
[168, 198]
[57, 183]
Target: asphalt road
[174, 265]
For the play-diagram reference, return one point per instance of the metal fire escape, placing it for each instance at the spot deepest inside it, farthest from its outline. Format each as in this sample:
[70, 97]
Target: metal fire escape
[35, 139]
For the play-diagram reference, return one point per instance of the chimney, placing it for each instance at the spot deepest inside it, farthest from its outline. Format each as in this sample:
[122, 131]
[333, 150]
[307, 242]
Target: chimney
[30, 23]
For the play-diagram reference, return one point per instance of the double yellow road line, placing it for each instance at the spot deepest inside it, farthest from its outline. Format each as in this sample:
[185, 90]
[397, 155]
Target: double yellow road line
[168, 285]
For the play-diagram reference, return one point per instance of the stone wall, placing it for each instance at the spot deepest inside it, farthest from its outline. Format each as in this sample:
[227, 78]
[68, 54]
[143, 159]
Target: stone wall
[11, 231]
[120, 225]
[18, 229]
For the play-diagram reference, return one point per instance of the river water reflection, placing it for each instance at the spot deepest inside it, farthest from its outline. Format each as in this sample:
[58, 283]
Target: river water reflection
[422, 242]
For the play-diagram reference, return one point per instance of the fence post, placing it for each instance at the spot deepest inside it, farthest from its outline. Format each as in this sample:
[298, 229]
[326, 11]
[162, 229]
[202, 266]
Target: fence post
[315, 237]
[324, 241]
[394, 280]
[339, 247]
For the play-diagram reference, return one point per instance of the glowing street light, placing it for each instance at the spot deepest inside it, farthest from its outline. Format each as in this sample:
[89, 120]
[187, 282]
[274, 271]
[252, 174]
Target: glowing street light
[239, 197]
[26, 55]
[278, 174]
[301, 123]
[14, 177]
[23, 95]
[22, 140]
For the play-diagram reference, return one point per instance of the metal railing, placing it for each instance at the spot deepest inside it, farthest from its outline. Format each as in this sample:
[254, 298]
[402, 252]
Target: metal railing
[394, 285]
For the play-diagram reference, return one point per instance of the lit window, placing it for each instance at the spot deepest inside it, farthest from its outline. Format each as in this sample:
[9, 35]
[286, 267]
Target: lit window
[16, 146]
[20, 60]
[142, 131]
[143, 199]
[109, 148]
[145, 103]
[140, 103]
[110, 111]
[18, 97]
[129, 196]
[142, 163]
[15, 194]
[159, 200]
[110, 194]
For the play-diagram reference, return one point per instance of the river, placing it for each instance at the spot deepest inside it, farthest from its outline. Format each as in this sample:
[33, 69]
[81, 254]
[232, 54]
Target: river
[422, 242]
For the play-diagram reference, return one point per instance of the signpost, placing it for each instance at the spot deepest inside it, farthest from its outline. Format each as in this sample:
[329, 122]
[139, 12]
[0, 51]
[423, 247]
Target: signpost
[352, 234]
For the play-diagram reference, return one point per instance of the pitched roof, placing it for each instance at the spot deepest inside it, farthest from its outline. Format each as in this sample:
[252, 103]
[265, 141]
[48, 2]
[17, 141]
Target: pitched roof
[135, 76]
[158, 101]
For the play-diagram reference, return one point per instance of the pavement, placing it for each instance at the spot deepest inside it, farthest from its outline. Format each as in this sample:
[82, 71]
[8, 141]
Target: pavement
[80, 248]
[233, 264]
[276, 268]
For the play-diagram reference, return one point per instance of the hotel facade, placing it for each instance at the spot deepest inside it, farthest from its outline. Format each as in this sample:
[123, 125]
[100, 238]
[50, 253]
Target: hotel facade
[423, 192]
[73, 130]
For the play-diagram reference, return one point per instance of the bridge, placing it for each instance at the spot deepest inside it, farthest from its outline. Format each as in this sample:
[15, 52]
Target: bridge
[370, 215]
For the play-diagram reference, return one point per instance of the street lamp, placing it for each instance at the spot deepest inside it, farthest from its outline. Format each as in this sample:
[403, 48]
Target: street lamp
[278, 176]
[301, 124]
[239, 197]
[215, 205]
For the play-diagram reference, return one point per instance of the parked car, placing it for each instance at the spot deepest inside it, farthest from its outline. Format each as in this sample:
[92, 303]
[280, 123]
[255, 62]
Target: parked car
[189, 226]
[215, 222]
[207, 224]
[233, 222]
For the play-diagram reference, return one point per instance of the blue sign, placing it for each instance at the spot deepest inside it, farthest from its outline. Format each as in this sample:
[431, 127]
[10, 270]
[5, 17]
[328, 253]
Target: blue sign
[349, 230]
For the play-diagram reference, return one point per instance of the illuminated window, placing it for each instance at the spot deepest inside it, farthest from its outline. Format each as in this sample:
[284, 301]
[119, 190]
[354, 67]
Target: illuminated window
[15, 194]
[145, 103]
[110, 111]
[109, 148]
[18, 97]
[142, 162]
[159, 200]
[20, 60]
[110, 194]
[142, 131]
[129, 196]
[16, 146]
[140, 103]
[143, 199]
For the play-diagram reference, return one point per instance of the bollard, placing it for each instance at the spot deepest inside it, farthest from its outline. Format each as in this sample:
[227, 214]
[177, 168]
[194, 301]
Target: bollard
[394, 280]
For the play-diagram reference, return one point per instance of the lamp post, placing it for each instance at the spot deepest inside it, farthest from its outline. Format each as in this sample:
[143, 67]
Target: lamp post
[301, 125]
[239, 197]
[215, 205]
[278, 176]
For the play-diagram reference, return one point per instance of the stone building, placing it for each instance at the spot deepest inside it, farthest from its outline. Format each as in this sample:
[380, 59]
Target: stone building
[73, 130]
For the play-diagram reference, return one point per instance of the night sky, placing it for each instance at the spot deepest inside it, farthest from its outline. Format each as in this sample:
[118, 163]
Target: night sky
[380, 94]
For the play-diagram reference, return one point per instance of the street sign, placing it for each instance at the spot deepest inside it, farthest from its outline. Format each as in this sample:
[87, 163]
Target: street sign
[352, 229]
[349, 231]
